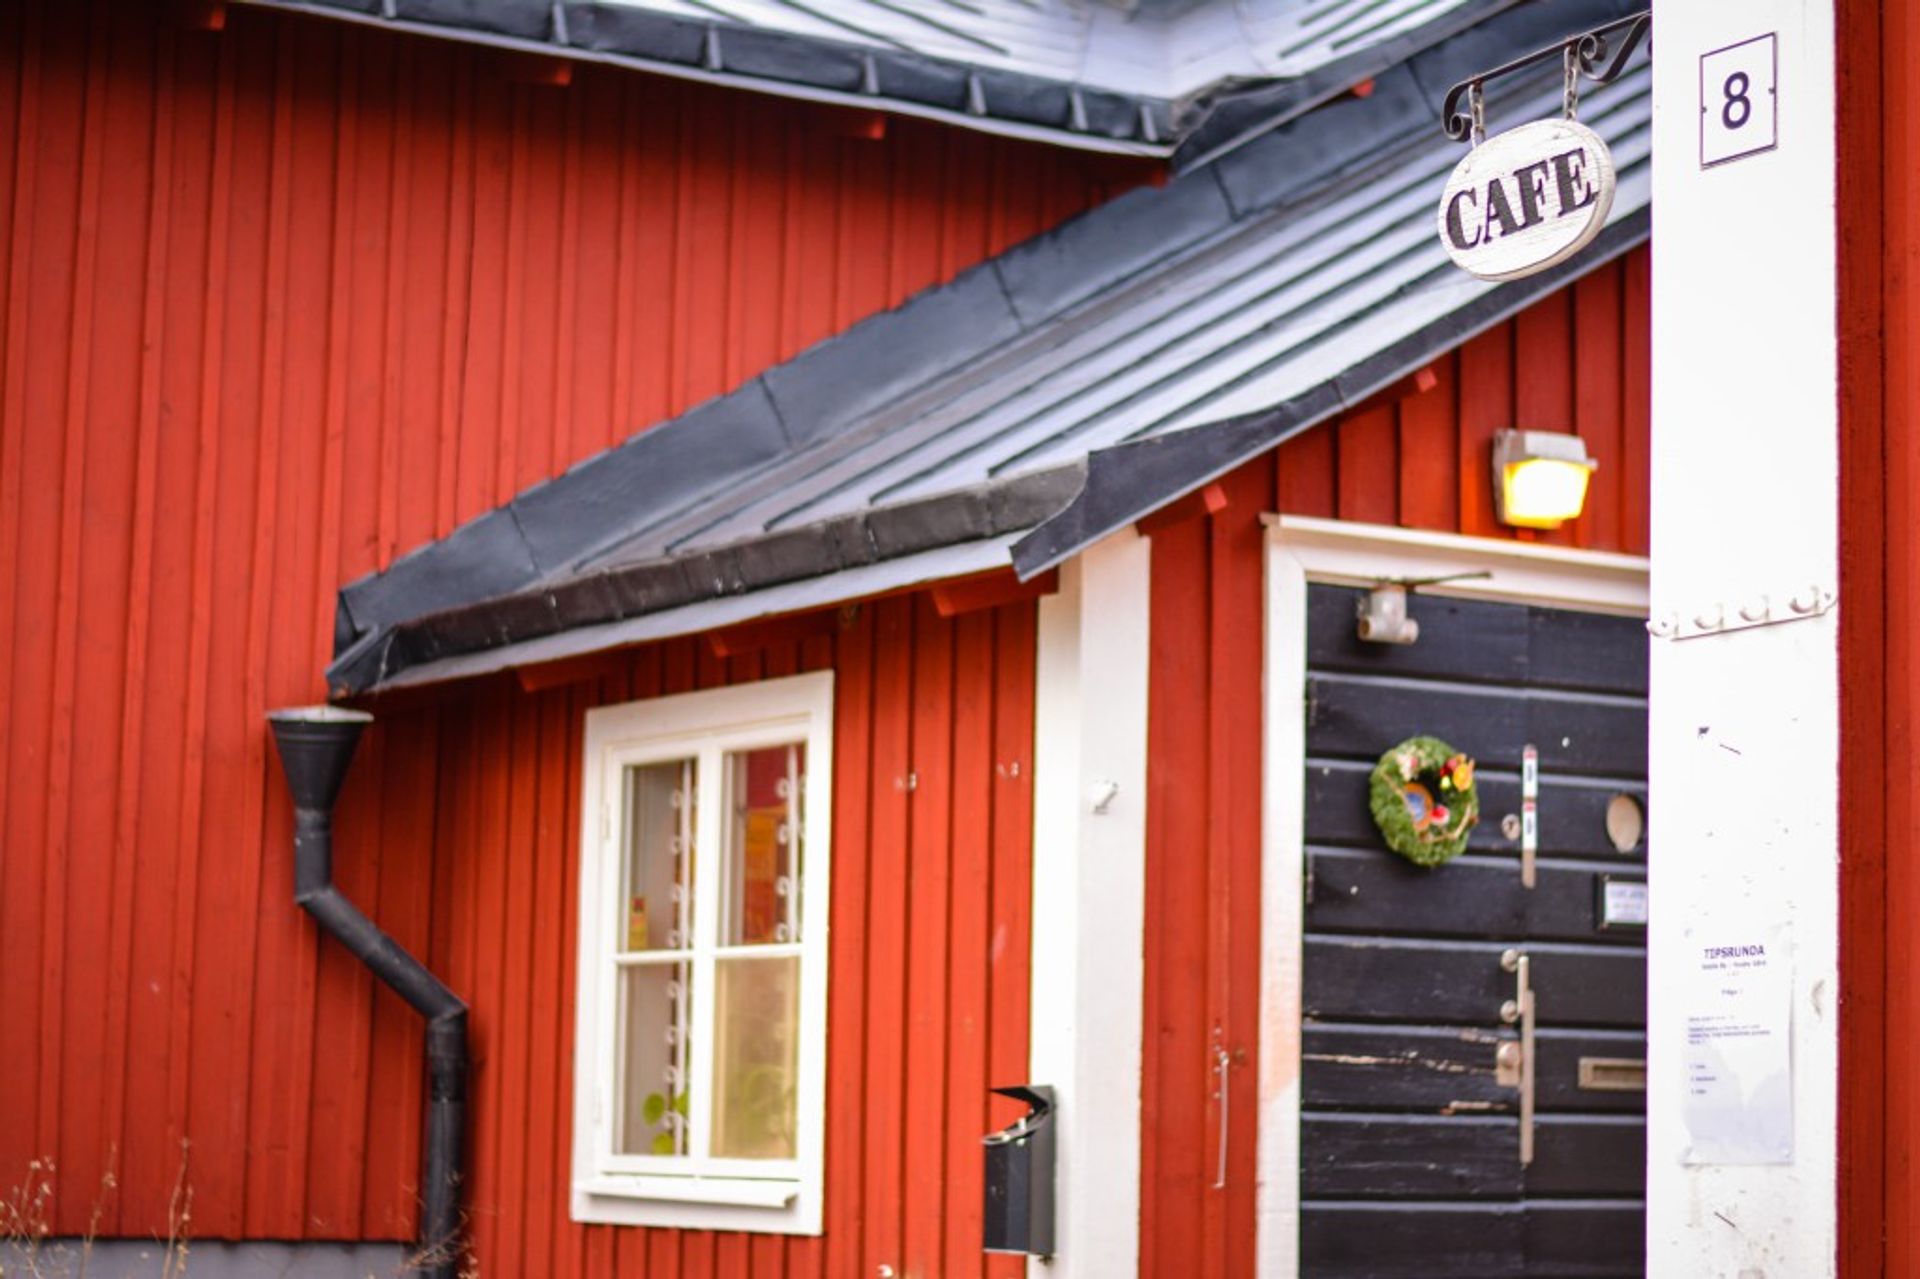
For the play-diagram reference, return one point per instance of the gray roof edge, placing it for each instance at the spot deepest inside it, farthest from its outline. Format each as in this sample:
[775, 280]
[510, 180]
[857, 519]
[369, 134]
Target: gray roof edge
[1192, 129]
[791, 65]
[1129, 481]
[1236, 114]
[625, 591]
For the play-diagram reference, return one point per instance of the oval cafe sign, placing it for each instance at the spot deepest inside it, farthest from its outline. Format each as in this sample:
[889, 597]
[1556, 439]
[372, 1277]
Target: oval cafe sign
[1527, 199]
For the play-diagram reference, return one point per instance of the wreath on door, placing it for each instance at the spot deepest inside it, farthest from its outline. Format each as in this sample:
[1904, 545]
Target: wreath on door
[1423, 800]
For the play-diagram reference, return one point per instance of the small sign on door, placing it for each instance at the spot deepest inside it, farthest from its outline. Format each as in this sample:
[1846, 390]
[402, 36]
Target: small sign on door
[1739, 102]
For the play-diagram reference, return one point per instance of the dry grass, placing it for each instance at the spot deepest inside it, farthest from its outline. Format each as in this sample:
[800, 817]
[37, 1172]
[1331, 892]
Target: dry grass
[29, 1251]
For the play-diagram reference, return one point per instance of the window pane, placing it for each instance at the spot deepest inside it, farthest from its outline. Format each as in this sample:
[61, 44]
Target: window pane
[659, 887]
[654, 1014]
[763, 868]
[757, 1023]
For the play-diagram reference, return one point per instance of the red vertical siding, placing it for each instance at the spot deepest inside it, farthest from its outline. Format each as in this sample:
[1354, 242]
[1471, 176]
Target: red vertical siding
[1576, 359]
[1878, 52]
[280, 302]
[929, 960]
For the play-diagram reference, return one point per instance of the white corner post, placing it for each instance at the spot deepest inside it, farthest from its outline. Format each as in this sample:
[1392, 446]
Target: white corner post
[1089, 887]
[1744, 722]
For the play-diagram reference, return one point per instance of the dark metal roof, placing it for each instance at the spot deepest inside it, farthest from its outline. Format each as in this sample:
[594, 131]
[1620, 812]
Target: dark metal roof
[1059, 392]
[1154, 77]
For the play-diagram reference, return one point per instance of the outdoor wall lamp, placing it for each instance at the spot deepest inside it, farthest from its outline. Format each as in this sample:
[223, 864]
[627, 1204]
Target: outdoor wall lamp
[1539, 478]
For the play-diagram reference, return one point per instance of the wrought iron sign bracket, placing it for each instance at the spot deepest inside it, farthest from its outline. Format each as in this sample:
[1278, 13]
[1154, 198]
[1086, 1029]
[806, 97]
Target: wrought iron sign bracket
[1599, 55]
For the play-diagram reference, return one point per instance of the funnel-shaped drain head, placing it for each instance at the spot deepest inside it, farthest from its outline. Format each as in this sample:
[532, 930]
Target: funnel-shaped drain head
[316, 746]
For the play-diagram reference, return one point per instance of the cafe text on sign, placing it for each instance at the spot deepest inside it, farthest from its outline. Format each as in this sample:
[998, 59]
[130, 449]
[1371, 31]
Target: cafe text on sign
[1528, 199]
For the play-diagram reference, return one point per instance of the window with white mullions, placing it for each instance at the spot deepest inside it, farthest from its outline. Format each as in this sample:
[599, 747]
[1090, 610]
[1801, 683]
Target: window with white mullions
[703, 991]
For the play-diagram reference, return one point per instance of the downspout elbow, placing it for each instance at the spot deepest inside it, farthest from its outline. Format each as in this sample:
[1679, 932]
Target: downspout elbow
[316, 746]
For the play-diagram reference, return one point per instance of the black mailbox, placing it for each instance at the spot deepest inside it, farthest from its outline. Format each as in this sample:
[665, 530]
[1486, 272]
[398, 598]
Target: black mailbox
[1019, 1180]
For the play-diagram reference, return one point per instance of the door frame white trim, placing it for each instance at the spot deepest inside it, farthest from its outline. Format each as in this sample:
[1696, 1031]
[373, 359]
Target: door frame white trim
[1300, 550]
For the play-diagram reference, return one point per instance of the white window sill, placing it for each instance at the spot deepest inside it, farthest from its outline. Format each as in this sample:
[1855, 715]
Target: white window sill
[741, 1191]
[699, 1203]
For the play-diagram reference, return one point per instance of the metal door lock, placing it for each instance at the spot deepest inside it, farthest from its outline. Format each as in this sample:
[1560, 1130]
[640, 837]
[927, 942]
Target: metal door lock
[1520, 1009]
[1506, 1064]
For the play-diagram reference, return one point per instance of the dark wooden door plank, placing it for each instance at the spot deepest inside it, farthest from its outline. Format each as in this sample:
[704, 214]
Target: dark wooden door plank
[1417, 980]
[1573, 813]
[1355, 717]
[1434, 1069]
[1412, 1241]
[1487, 643]
[1386, 1156]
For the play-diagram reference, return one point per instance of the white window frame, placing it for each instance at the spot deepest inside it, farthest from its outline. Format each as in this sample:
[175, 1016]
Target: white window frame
[1301, 550]
[773, 1196]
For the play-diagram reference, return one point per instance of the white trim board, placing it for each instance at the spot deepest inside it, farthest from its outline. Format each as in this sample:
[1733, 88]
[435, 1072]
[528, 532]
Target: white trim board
[1524, 572]
[1089, 899]
[1301, 550]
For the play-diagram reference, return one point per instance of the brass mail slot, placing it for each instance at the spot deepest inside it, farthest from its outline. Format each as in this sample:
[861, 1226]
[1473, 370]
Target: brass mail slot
[1613, 1074]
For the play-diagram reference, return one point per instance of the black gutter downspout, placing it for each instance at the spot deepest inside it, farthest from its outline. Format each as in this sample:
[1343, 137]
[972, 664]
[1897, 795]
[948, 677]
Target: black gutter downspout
[316, 746]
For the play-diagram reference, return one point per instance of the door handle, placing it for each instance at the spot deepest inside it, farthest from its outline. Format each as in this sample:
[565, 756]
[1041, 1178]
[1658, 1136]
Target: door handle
[1520, 1009]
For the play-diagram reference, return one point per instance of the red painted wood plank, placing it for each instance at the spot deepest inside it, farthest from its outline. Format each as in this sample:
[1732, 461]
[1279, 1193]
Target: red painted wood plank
[697, 1254]
[123, 1084]
[223, 977]
[844, 1213]
[1486, 406]
[68, 1051]
[1877, 52]
[483, 866]
[1010, 933]
[892, 763]
[407, 838]
[1174, 1082]
[730, 1256]
[512, 1045]
[1636, 357]
[20, 876]
[766, 1256]
[971, 877]
[288, 526]
[1598, 388]
[662, 1255]
[149, 1151]
[1234, 725]
[548, 1111]
[930, 832]
[339, 1067]
[1306, 475]
[1543, 352]
[570, 1237]
[1428, 458]
[1542, 377]
[1369, 482]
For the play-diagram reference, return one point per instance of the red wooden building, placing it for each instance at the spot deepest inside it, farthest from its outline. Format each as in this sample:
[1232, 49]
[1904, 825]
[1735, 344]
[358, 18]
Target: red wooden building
[849, 533]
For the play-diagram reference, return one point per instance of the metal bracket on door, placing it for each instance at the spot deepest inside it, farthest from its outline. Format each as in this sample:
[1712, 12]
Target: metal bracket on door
[1529, 815]
[1519, 1009]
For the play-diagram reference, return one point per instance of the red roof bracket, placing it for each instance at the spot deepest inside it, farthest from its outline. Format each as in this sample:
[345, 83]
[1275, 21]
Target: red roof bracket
[1210, 499]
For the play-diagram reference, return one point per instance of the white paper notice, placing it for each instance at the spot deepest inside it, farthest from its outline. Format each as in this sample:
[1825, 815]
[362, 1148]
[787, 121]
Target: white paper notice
[1739, 1064]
